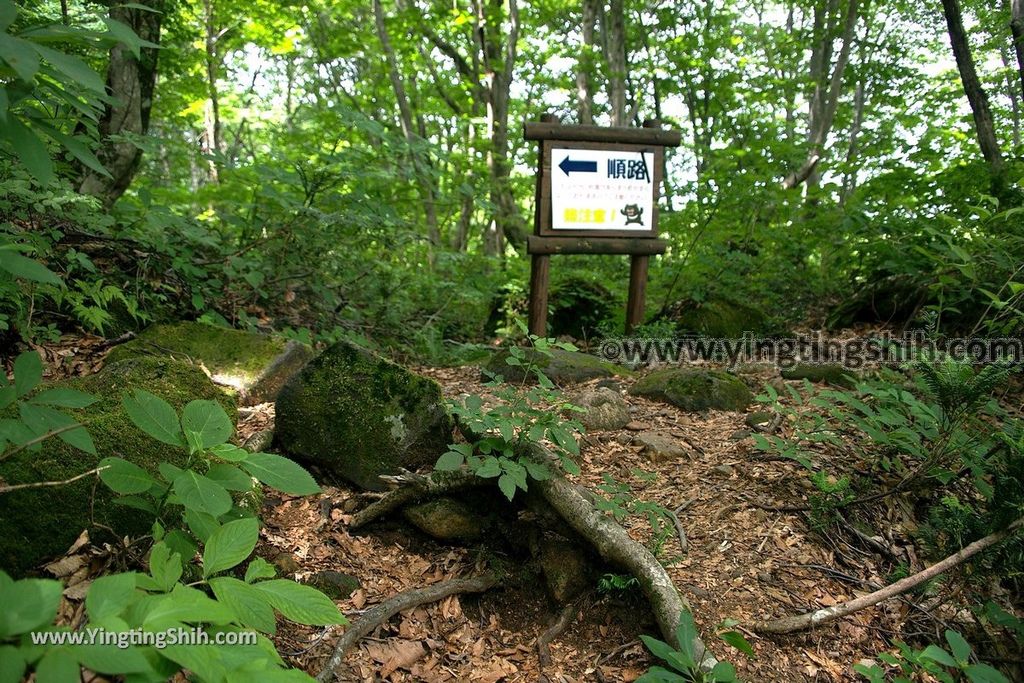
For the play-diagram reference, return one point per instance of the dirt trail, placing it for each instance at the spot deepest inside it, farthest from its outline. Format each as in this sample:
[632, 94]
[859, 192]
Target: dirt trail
[744, 563]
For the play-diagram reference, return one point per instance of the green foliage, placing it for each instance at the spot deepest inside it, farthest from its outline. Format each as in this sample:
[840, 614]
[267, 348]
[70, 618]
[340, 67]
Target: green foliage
[518, 416]
[620, 501]
[39, 417]
[617, 583]
[934, 661]
[200, 537]
[684, 667]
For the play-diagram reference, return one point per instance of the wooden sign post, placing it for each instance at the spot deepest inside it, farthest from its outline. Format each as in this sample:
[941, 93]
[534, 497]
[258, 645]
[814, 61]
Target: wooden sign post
[597, 193]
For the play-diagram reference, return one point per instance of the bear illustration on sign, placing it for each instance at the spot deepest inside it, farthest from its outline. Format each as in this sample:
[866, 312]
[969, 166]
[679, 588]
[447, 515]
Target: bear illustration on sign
[633, 214]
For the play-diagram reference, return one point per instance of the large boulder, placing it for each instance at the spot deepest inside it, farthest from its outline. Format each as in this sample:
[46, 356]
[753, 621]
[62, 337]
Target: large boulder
[39, 524]
[561, 367]
[254, 365]
[695, 390]
[719, 317]
[356, 416]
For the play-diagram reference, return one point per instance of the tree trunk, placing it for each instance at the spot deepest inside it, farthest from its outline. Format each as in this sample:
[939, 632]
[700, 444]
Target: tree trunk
[828, 84]
[498, 62]
[1017, 30]
[976, 97]
[130, 84]
[614, 35]
[426, 184]
[585, 64]
[213, 136]
[1013, 94]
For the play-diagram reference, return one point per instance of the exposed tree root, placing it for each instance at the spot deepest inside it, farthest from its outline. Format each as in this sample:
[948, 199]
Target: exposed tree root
[574, 504]
[821, 616]
[377, 615]
[565, 618]
[411, 487]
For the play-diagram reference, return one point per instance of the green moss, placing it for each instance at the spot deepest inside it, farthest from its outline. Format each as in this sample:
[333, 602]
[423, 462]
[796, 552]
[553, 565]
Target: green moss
[561, 366]
[721, 318]
[39, 524]
[356, 416]
[695, 390]
[824, 373]
[220, 349]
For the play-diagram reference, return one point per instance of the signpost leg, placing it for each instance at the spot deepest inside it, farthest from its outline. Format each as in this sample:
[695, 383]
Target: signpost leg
[539, 269]
[637, 291]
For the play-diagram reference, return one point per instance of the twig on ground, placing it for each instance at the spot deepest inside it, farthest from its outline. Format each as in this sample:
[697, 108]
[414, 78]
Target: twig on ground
[377, 615]
[684, 543]
[821, 616]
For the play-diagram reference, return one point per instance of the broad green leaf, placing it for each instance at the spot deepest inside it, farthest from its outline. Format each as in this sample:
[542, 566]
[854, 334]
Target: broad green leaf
[64, 398]
[230, 477]
[491, 468]
[109, 595]
[26, 268]
[983, 673]
[960, 647]
[58, 665]
[20, 55]
[125, 477]
[27, 604]
[12, 664]
[281, 474]
[936, 653]
[196, 491]
[229, 452]
[154, 416]
[736, 639]
[74, 68]
[201, 524]
[208, 421]
[28, 371]
[124, 34]
[507, 485]
[724, 672]
[186, 604]
[247, 602]
[113, 660]
[230, 545]
[450, 462]
[259, 569]
[299, 603]
[32, 153]
[165, 566]
[43, 420]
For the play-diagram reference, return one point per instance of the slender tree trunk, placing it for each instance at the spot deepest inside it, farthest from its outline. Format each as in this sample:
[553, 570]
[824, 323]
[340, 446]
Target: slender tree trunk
[850, 177]
[828, 84]
[614, 34]
[585, 64]
[1014, 95]
[426, 185]
[1017, 30]
[498, 63]
[130, 83]
[213, 131]
[976, 97]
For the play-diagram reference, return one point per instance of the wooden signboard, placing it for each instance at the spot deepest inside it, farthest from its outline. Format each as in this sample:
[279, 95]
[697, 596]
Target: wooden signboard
[597, 193]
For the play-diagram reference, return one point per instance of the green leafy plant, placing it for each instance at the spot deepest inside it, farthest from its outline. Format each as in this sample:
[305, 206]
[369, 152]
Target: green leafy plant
[194, 580]
[684, 667]
[620, 501]
[617, 583]
[520, 415]
[945, 666]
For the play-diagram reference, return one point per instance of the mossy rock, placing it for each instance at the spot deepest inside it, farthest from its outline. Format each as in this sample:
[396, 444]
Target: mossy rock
[336, 585]
[719, 318]
[254, 365]
[446, 519]
[605, 409]
[356, 416]
[40, 524]
[695, 390]
[566, 566]
[822, 373]
[563, 367]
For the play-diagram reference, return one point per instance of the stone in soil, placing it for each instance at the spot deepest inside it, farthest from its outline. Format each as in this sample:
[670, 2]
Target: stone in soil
[446, 519]
[695, 390]
[660, 447]
[561, 367]
[605, 409]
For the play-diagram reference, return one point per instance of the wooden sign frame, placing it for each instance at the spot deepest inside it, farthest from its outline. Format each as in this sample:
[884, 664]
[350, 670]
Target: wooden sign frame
[639, 245]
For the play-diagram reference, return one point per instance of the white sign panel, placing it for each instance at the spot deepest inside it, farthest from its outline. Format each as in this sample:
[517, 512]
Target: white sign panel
[601, 189]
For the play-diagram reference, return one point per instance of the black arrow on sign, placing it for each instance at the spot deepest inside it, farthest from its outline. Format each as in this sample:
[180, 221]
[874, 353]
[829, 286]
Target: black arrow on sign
[569, 166]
